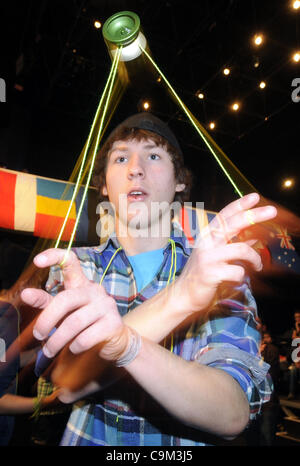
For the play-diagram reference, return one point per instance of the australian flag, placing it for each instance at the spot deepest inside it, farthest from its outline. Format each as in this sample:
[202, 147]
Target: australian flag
[283, 252]
[274, 243]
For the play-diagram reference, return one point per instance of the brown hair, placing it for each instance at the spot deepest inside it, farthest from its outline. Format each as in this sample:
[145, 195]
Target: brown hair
[183, 174]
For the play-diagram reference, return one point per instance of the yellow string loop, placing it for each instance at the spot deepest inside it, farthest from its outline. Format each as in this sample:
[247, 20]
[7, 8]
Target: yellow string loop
[173, 262]
[108, 265]
[110, 83]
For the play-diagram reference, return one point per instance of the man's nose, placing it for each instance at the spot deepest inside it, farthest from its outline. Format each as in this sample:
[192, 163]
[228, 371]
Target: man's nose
[135, 167]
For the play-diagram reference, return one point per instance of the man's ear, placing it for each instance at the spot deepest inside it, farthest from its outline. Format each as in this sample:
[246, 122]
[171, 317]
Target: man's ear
[104, 191]
[180, 187]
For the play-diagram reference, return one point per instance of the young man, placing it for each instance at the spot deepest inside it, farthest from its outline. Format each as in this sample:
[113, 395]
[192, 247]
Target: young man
[175, 328]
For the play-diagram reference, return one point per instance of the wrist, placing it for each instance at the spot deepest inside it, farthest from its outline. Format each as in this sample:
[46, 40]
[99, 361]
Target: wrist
[117, 346]
[180, 301]
[132, 349]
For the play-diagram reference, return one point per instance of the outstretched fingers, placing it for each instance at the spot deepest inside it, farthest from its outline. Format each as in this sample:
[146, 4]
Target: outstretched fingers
[233, 219]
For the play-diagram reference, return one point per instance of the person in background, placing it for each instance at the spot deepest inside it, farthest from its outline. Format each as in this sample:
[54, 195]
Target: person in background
[270, 411]
[294, 368]
[17, 350]
[288, 366]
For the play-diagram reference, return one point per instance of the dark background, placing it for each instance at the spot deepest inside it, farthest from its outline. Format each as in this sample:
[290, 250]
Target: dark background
[56, 63]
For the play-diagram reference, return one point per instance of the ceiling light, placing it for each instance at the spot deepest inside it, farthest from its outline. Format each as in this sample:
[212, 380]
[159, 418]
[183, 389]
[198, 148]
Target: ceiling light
[146, 105]
[235, 106]
[226, 71]
[200, 95]
[262, 84]
[296, 5]
[296, 57]
[212, 125]
[97, 24]
[258, 39]
[288, 183]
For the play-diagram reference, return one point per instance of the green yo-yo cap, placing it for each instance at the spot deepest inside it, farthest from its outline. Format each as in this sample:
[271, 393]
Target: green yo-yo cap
[122, 28]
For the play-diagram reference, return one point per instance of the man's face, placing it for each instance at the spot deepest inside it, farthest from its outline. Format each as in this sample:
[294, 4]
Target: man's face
[142, 173]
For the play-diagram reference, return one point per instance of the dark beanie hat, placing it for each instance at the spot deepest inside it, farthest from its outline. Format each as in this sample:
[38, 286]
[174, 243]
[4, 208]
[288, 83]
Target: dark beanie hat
[152, 123]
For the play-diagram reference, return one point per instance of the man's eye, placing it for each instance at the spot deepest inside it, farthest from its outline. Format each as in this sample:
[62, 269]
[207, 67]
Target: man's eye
[121, 159]
[154, 157]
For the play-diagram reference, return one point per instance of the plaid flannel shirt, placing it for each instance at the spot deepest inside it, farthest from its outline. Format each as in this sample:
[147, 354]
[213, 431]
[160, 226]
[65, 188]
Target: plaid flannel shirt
[124, 414]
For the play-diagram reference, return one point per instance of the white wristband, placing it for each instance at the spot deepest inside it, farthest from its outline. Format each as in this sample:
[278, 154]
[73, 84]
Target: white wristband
[132, 351]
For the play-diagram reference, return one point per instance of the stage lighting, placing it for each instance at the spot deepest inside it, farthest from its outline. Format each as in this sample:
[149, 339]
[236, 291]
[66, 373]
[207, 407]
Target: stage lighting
[296, 57]
[258, 39]
[288, 183]
[296, 5]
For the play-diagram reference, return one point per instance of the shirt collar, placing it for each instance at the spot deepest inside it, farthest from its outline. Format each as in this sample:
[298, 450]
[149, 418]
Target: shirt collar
[177, 234]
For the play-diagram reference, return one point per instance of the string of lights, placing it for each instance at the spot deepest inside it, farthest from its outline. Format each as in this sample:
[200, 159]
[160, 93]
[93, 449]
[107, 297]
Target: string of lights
[242, 58]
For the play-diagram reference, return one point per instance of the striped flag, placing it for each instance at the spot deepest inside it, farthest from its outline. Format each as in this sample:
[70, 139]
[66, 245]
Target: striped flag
[39, 206]
[52, 204]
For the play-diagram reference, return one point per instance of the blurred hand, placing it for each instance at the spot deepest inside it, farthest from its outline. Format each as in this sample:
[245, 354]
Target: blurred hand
[215, 259]
[50, 401]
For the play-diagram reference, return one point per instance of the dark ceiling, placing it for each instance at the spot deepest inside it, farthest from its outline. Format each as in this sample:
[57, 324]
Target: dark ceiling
[53, 51]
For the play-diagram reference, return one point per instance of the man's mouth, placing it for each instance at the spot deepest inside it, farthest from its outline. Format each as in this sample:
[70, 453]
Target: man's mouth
[136, 195]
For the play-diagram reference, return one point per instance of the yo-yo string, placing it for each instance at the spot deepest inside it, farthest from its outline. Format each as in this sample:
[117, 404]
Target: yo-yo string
[108, 265]
[173, 263]
[117, 92]
[203, 133]
[87, 145]
[173, 260]
[112, 81]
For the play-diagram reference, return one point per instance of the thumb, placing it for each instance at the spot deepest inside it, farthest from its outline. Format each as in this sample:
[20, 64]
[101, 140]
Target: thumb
[69, 263]
[36, 298]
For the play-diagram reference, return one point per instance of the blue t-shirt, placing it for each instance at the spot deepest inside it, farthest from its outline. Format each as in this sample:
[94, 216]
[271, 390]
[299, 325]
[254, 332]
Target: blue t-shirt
[145, 265]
